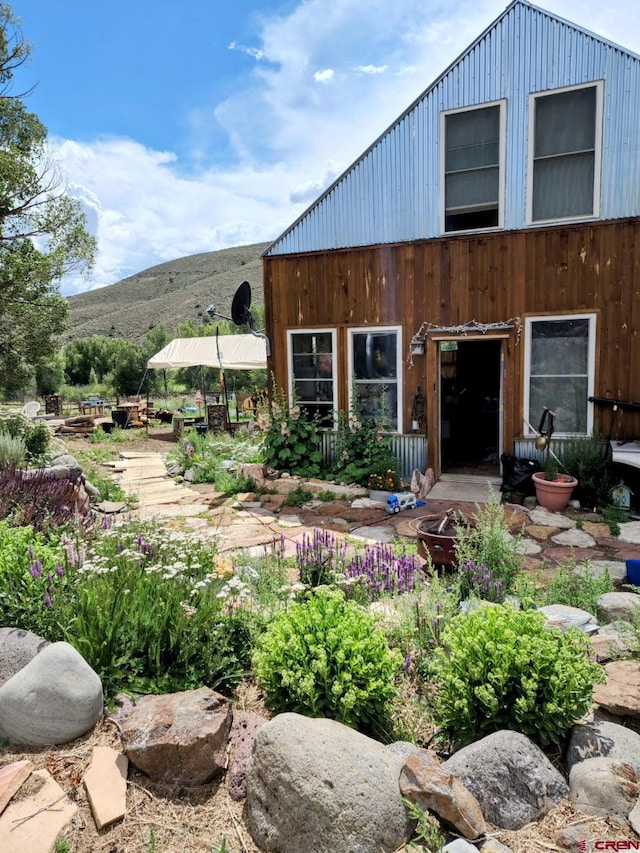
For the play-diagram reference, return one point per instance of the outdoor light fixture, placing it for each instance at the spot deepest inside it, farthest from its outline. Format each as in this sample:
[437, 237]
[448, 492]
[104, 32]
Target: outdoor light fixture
[417, 345]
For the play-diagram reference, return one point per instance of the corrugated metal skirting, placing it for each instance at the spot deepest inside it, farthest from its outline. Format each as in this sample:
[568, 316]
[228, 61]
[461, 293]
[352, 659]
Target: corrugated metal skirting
[411, 451]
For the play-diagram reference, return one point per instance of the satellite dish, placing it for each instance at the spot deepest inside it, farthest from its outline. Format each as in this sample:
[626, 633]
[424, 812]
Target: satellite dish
[240, 305]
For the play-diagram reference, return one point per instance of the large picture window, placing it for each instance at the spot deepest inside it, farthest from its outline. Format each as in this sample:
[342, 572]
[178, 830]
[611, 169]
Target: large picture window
[375, 366]
[560, 363]
[312, 372]
[565, 154]
[472, 158]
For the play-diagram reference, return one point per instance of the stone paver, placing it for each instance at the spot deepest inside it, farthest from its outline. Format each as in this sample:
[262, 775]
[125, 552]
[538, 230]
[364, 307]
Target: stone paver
[575, 538]
[33, 822]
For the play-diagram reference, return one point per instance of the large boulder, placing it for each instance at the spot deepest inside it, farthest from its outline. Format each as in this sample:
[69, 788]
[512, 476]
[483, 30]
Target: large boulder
[55, 698]
[603, 739]
[512, 779]
[614, 606]
[179, 738]
[241, 738]
[620, 694]
[603, 787]
[17, 648]
[315, 784]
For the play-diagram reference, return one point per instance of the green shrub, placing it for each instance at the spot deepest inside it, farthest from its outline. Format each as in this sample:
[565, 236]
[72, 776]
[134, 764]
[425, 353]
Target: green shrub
[324, 657]
[487, 542]
[36, 436]
[577, 586]
[292, 438]
[13, 449]
[589, 460]
[500, 668]
[298, 497]
[32, 579]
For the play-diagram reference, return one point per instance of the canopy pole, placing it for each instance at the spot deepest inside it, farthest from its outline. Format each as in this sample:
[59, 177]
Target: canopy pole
[222, 380]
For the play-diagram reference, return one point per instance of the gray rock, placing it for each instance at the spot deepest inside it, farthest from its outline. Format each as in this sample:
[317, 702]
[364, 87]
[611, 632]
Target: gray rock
[614, 606]
[492, 845]
[66, 460]
[617, 569]
[551, 519]
[179, 738]
[53, 699]
[603, 787]
[383, 533]
[314, 784]
[459, 845]
[575, 538]
[511, 778]
[563, 616]
[613, 641]
[603, 740]
[17, 649]
[630, 532]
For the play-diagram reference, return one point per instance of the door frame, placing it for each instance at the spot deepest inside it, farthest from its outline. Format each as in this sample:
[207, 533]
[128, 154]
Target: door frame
[434, 368]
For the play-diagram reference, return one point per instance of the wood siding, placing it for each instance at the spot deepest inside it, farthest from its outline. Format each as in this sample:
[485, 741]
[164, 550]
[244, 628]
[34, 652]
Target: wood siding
[487, 278]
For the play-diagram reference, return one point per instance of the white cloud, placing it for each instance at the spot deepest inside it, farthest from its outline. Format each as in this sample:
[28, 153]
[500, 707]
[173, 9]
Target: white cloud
[289, 137]
[371, 69]
[324, 76]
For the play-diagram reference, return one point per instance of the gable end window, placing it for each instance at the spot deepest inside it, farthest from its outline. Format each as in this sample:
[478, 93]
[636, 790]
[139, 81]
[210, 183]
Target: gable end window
[565, 156]
[472, 153]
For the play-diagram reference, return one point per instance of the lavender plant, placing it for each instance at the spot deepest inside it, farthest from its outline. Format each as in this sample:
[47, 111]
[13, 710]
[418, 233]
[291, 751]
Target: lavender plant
[382, 571]
[320, 557]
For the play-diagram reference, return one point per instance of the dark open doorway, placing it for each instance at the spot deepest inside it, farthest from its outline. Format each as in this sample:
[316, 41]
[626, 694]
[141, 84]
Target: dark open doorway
[470, 407]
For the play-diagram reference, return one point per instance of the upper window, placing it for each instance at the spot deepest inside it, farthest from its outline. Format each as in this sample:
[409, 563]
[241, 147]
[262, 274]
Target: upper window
[560, 364]
[565, 154]
[375, 367]
[312, 374]
[472, 173]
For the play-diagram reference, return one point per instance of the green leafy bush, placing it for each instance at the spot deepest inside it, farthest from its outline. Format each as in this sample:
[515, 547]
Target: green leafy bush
[590, 461]
[292, 438]
[500, 668]
[324, 656]
[32, 579]
[577, 586]
[36, 436]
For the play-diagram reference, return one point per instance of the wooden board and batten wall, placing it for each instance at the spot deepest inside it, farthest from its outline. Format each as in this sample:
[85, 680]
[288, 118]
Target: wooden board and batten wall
[489, 278]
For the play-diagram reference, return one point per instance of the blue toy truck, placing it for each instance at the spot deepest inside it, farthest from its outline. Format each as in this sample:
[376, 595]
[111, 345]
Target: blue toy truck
[400, 501]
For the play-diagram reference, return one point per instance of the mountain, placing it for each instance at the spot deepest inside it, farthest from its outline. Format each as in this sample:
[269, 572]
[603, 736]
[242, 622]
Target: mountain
[167, 294]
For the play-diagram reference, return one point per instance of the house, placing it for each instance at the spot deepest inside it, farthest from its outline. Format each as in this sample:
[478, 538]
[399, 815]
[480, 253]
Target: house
[480, 261]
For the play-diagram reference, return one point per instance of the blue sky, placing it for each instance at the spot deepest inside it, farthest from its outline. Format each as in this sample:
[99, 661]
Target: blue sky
[190, 127]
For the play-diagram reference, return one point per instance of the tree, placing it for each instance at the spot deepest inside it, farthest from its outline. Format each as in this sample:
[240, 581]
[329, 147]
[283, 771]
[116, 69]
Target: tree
[43, 232]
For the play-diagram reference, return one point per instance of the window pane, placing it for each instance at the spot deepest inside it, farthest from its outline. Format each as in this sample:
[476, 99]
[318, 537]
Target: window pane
[472, 139]
[560, 347]
[565, 122]
[374, 355]
[563, 186]
[566, 396]
[379, 402]
[466, 189]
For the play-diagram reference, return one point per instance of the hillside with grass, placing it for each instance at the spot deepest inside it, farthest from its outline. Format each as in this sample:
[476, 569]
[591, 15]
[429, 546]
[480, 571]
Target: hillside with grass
[167, 294]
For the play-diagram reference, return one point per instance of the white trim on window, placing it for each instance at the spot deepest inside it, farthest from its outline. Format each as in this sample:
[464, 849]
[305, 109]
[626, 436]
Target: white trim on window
[530, 426]
[597, 170]
[397, 379]
[502, 104]
[333, 402]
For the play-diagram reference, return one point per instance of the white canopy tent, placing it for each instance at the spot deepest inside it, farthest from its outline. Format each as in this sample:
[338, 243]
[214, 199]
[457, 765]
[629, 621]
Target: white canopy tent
[236, 352]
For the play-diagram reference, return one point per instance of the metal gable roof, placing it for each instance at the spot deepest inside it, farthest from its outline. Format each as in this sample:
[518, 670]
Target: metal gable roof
[363, 206]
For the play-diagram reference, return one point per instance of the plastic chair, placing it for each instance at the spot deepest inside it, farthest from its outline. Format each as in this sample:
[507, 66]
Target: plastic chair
[31, 409]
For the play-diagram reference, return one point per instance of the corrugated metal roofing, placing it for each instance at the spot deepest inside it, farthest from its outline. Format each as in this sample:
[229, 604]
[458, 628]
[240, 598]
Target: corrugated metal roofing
[392, 192]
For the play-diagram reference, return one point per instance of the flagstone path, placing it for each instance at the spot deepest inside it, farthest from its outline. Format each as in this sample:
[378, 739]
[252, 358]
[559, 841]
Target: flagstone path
[246, 522]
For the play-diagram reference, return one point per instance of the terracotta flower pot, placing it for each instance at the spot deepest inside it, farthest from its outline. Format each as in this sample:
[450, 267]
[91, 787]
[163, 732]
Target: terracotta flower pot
[554, 495]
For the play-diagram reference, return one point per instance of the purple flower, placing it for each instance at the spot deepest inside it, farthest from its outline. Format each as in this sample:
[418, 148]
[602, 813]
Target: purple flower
[36, 569]
[47, 600]
[59, 570]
